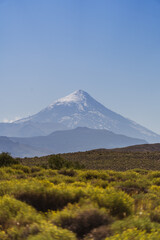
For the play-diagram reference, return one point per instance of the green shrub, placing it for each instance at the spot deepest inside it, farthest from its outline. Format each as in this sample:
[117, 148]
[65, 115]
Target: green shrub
[119, 203]
[139, 222]
[156, 181]
[87, 220]
[155, 215]
[25, 169]
[154, 174]
[50, 232]
[35, 169]
[94, 174]
[45, 196]
[81, 219]
[87, 204]
[3, 235]
[134, 234]
[141, 171]
[20, 221]
[99, 233]
[57, 162]
[134, 186]
[3, 174]
[68, 172]
[17, 219]
[153, 196]
[99, 183]
[7, 160]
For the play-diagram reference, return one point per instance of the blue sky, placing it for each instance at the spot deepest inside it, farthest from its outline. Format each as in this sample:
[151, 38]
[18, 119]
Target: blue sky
[109, 48]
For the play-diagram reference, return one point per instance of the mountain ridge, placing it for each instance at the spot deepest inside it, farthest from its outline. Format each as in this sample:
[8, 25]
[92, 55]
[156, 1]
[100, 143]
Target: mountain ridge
[78, 139]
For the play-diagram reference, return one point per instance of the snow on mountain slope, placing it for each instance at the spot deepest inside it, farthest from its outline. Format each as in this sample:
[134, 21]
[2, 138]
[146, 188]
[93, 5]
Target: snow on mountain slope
[79, 109]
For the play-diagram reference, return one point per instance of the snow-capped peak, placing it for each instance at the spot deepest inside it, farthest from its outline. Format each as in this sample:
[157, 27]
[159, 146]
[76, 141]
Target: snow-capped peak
[75, 97]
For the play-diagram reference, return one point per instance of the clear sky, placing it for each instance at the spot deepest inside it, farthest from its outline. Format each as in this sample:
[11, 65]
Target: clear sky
[109, 48]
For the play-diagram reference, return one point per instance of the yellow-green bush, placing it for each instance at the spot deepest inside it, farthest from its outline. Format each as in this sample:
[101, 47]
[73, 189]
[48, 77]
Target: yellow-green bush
[50, 232]
[134, 185]
[80, 218]
[119, 203]
[14, 212]
[134, 234]
[156, 181]
[155, 215]
[44, 195]
[139, 222]
[94, 174]
[38, 203]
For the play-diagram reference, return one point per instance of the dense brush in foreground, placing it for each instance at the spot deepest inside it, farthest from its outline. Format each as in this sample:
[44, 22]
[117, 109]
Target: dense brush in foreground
[69, 204]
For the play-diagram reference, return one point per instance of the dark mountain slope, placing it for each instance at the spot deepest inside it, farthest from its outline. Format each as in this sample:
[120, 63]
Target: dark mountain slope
[79, 139]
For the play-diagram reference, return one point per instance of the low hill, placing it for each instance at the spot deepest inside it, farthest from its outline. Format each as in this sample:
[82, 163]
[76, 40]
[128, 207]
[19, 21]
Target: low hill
[141, 148]
[107, 159]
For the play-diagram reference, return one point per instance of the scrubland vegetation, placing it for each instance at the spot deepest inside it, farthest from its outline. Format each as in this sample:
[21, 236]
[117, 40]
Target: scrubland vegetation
[121, 160]
[65, 201]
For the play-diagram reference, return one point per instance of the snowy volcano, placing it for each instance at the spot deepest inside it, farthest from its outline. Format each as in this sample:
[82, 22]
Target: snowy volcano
[78, 109]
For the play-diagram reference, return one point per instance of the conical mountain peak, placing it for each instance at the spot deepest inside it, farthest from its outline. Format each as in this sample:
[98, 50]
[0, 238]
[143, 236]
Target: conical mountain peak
[77, 96]
[79, 109]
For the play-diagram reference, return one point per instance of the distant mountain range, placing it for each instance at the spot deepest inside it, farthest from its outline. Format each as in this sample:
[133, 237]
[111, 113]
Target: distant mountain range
[78, 109]
[79, 139]
[17, 149]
